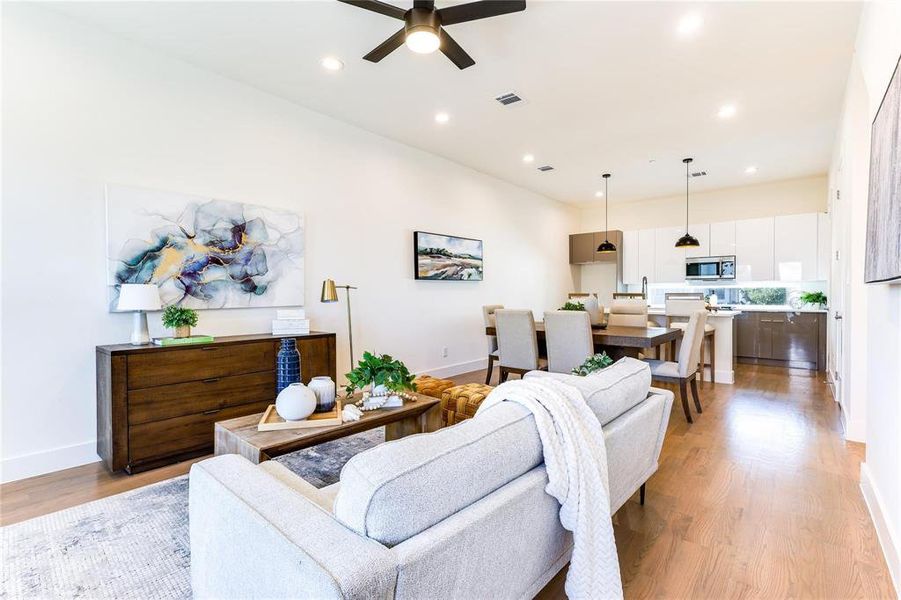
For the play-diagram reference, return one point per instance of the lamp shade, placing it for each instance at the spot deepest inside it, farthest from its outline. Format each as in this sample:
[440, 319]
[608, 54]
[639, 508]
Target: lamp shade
[329, 293]
[139, 296]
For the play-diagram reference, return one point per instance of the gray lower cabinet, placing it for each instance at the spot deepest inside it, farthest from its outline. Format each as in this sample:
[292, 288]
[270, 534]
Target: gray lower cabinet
[791, 339]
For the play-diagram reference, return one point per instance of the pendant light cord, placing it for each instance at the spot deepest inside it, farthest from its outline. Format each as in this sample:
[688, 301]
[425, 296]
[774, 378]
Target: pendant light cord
[686, 198]
[606, 210]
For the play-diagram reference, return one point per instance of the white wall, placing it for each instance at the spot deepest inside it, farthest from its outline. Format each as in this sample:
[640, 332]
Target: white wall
[786, 197]
[82, 108]
[872, 340]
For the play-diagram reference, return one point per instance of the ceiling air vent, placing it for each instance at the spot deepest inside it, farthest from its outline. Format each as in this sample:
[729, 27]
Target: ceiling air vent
[546, 168]
[699, 174]
[508, 98]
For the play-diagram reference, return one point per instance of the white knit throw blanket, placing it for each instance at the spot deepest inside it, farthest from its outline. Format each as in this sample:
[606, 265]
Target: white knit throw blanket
[576, 461]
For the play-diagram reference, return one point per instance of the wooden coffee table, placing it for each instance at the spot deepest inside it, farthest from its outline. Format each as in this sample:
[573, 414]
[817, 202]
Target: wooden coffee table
[240, 435]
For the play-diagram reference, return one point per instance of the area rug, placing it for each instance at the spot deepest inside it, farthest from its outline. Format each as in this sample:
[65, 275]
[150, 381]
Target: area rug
[133, 545]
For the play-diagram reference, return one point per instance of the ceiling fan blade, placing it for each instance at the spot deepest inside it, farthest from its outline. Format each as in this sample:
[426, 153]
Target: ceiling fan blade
[454, 52]
[387, 47]
[383, 8]
[479, 10]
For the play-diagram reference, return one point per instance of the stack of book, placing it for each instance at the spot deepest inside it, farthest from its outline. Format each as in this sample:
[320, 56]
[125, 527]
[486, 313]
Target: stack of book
[291, 321]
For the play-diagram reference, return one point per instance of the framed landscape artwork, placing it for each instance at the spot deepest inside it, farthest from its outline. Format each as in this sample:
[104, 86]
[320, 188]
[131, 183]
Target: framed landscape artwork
[447, 257]
[883, 255]
[202, 252]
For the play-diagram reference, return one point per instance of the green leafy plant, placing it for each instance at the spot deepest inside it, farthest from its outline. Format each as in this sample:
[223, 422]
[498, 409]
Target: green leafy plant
[570, 305]
[813, 297]
[593, 364]
[379, 370]
[176, 316]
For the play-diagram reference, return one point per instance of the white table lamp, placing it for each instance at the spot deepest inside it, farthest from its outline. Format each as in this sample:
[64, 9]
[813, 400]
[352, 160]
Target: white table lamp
[139, 297]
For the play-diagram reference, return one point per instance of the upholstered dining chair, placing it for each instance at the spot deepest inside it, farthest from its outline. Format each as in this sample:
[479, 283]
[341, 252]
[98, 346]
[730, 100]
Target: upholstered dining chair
[679, 306]
[628, 313]
[686, 369]
[488, 316]
[569, 339]
[517, 343]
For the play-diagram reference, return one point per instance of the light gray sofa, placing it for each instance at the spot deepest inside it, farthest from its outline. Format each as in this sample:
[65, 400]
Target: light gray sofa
[458, 513]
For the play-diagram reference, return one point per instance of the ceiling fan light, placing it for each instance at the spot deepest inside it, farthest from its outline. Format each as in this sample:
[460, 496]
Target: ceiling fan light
[687, 241]
[422, 40]
[606, 247]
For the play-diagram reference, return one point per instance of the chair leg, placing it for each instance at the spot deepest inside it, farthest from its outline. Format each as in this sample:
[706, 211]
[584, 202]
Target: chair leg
[502, 377]
[672, 352]
[712, 339]
[701, 366]
[641, 494]
[694, 394]
[490, 369]
[683, 393]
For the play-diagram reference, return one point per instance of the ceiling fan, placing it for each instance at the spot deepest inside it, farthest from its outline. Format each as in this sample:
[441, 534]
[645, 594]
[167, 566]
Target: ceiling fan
[423, 29]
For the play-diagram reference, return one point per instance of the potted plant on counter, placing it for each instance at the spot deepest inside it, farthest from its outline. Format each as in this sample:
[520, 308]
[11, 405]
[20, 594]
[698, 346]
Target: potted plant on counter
[817, 299]
[384, 375]
[180, 319]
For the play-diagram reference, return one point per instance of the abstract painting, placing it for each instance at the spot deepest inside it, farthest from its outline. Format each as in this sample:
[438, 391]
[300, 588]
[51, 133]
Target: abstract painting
[203, 252]
[447, 257]
[883, 252]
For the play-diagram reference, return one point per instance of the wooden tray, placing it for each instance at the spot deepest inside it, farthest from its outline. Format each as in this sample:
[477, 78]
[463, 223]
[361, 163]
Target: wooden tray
[272, 422]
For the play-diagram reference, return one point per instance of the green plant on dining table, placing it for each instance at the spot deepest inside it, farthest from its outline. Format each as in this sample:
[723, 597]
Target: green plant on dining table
[380, 370]
[814, 298]
[593, 364]
[570, 305]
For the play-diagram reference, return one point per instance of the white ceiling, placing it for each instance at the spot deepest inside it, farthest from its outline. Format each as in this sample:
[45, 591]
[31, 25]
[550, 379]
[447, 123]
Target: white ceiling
[608, 85]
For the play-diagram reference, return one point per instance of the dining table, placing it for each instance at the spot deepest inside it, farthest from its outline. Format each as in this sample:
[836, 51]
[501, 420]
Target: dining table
[616, 341]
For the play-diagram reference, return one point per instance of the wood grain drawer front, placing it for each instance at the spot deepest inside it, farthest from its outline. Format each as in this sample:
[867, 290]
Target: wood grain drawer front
[179, 399]
[150, 441]
[166, 367]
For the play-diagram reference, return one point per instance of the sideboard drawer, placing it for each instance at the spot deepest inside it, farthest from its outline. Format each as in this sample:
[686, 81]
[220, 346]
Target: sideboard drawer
[179, 399]
[205, 362]
[151, 441]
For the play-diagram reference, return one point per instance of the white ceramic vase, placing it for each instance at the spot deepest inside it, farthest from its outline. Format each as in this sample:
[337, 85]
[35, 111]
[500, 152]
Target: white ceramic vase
[324, 388]
[296, 402]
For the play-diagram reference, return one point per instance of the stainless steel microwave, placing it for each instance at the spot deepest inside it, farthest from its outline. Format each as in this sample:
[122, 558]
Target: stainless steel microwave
[709, 268]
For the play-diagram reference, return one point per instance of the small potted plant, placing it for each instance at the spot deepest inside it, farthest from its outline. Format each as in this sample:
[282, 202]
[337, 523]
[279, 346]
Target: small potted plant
[570, 305]
[180, 319]
[815, 298]
[593, 364]
[383, 374]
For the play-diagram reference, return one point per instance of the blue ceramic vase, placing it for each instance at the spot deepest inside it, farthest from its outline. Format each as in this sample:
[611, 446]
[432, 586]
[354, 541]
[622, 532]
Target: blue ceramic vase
[287, 365]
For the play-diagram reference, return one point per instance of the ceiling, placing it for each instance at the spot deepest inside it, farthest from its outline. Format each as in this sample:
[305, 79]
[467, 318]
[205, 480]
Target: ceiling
[608, 86]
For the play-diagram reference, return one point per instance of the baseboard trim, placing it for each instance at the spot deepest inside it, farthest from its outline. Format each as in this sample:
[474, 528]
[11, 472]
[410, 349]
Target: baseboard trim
[458, 368]
[47, 461]
[890, 546]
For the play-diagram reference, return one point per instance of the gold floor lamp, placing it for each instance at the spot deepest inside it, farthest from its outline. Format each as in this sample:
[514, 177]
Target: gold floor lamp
[330, 294]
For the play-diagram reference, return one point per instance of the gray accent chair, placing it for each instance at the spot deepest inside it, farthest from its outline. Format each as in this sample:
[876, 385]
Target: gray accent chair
[569, 339]
[517, 343]
[488, 317]
[458, 513]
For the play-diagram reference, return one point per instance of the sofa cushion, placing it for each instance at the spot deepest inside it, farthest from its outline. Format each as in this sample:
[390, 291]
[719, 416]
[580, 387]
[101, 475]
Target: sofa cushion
[398, 489]
[611, 391]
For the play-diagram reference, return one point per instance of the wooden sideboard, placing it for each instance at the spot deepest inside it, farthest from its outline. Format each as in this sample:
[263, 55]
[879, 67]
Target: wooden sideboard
[157, 405]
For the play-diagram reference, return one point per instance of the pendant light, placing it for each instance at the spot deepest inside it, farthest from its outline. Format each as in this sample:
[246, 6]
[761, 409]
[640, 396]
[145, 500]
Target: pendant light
[606, 246]
[687, 240]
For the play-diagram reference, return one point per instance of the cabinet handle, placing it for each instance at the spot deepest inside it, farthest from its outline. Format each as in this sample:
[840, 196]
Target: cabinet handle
[211, 380]
[212, 412]
[209, 348]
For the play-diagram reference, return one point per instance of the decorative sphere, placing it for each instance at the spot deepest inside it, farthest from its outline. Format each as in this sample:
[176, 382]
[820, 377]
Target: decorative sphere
[296, 402]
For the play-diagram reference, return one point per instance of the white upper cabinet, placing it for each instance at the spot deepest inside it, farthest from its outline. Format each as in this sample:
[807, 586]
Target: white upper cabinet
[722, 238]
[795, 247]
[824, 246]
[670, 260]
[631, 274]
[701, 231]
[754, 249]
[646, 255]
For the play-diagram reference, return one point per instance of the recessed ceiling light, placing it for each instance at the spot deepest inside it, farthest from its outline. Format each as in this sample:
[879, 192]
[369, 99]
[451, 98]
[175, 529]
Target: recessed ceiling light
[727, 111]
[652, 161]
[599, 194]
[528, 158]
[442, 117]
[690, 24]
[330, 63]
[751, 170]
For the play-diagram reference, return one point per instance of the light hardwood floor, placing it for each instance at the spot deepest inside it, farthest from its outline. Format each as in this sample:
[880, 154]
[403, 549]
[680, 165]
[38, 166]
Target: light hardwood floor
[758, 498]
